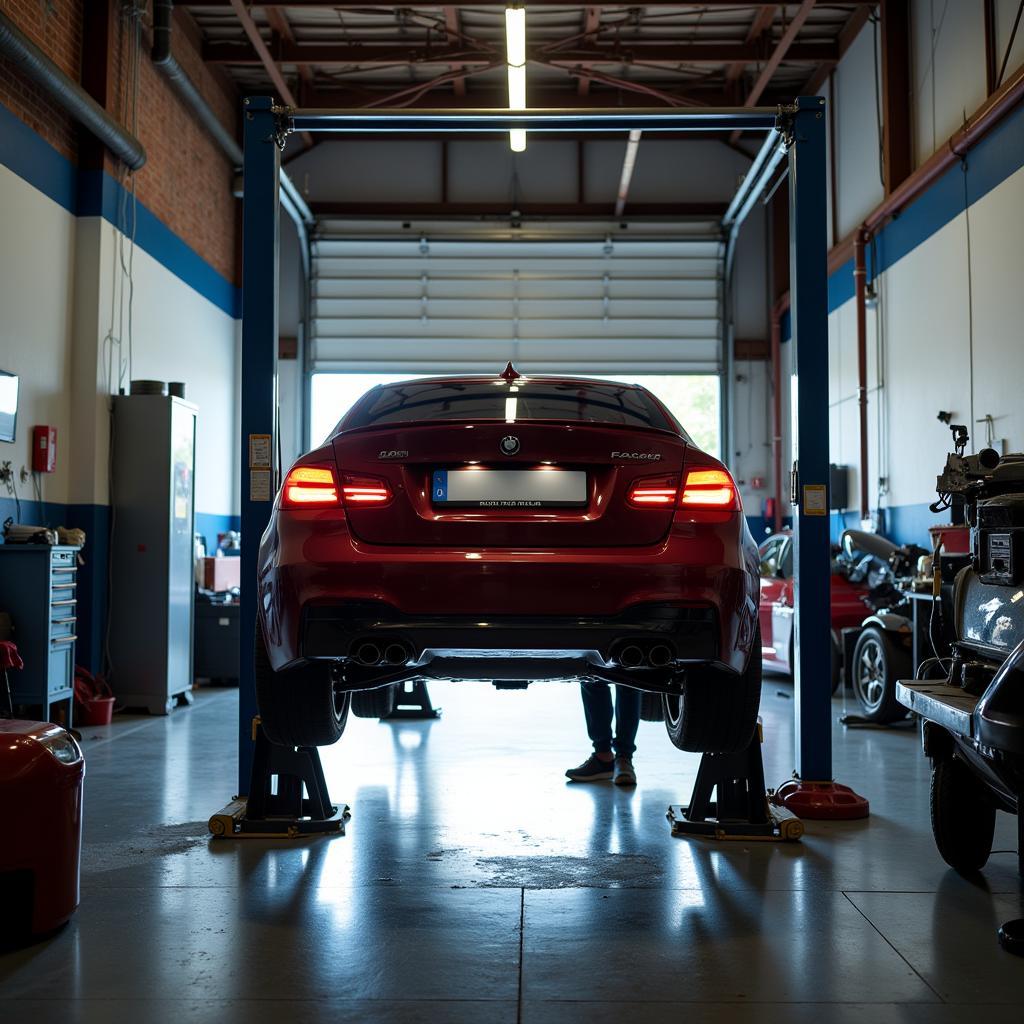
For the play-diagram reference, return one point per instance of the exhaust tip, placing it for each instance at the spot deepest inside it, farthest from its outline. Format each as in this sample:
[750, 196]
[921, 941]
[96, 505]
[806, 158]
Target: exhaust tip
[367, 653]
[631, 656]
[660, 656]
[396, 654]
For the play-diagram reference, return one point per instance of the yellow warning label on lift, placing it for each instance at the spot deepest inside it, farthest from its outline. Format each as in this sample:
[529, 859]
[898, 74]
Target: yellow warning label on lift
[815, 502]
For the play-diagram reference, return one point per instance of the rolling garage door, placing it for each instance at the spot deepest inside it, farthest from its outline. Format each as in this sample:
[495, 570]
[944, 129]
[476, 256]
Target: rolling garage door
[562, 298]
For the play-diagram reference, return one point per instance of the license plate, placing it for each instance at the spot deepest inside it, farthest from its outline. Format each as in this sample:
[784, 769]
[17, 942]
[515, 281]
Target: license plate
[509, 488]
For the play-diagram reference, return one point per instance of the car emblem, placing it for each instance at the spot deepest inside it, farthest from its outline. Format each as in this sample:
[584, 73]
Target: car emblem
[509, 445]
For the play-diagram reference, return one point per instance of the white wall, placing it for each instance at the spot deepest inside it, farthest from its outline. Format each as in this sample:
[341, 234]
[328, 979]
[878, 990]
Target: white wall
[36, 309]
[57, 274]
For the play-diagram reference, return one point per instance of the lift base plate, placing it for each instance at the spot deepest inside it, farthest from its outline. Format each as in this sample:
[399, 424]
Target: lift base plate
[822, 801]
[742, 810]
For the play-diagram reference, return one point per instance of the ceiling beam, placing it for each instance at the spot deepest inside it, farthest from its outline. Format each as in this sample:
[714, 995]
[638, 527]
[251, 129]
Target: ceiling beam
[758, 27]
[451, 24]
[277, 19]
[500, 209]
[591, 23]
[778, 54]
[895, 43]
[540, 99]
[380, 54]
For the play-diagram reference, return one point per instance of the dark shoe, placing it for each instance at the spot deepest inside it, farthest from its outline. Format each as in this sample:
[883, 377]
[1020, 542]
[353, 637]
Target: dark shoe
[624, 773]
[592, 770]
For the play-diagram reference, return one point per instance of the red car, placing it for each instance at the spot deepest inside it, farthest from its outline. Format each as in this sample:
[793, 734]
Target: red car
[510, 529]
[776, 611]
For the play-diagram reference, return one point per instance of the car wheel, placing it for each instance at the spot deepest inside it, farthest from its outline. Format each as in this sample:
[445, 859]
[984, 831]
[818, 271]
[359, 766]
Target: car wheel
[299, 707]
[716, 712]
[651, 709]
[378, 703]
[878, 662]
[963, 817]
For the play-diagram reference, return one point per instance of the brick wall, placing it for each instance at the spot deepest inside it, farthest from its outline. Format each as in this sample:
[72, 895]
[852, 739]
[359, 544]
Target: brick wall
[186, 180]
[55, 26]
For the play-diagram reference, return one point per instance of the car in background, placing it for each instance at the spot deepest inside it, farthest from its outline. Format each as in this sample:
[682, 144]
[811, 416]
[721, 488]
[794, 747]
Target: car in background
[776, 605]
[511, 529]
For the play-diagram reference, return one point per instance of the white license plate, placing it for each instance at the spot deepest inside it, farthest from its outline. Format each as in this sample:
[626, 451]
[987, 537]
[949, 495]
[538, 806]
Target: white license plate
[509, 488]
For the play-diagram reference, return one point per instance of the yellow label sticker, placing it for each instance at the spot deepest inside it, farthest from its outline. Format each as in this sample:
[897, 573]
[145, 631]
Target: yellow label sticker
[815, 501]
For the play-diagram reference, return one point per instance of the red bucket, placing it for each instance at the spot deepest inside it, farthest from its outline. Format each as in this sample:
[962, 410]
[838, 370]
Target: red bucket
[98, 711]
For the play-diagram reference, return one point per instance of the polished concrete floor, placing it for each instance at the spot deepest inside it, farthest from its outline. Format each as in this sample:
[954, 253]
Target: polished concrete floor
[474, 884]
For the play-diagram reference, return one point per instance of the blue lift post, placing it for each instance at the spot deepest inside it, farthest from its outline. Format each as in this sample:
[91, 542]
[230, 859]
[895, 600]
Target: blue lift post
[260, 245]
[808, 279]
[802, 127]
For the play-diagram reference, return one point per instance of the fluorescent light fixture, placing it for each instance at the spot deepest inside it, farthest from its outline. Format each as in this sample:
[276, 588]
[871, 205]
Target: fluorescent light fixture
[515, 44]
[511, 409]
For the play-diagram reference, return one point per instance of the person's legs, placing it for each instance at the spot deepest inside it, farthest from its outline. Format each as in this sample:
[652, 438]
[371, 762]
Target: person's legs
[627, 720]
[597, 708]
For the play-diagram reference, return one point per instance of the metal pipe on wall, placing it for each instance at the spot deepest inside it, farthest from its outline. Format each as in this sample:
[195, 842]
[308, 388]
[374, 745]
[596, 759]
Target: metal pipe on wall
[179, 81]
[34, 64]
[860, 299]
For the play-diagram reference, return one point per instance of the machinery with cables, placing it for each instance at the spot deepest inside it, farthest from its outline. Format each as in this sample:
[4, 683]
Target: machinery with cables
[973, 728]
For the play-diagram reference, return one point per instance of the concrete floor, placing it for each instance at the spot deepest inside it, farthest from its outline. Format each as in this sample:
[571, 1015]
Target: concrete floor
[474, 884]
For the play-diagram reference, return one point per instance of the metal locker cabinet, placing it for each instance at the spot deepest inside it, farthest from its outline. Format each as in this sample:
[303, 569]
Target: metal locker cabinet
[151, 578]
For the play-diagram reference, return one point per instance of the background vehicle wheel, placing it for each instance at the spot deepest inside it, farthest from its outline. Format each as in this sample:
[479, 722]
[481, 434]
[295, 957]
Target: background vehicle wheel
[300, 707]
[378, 703]
[716, 712]
[878, 662]
[836, 666]
[963, 818]
[651, 709]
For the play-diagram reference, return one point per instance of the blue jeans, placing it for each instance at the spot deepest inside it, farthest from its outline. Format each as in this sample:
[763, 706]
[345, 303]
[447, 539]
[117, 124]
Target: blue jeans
[597, 706]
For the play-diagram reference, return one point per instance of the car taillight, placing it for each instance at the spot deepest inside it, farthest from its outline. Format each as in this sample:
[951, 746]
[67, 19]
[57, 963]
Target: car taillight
[365, 490]
[709, 488]
[310, 487]
[654, 491]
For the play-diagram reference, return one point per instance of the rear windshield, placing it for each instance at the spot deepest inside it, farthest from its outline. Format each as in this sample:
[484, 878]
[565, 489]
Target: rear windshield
[575, 402]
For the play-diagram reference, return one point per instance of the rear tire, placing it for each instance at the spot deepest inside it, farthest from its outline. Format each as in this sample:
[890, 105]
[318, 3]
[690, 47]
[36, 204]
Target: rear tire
[963, 817]
[716, 712]
[378, 703]
[878, 662]
[651, 709]
[299, 707]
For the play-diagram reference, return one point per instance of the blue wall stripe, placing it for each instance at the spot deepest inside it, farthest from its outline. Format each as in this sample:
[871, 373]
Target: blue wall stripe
[33, 159]
[93, 193]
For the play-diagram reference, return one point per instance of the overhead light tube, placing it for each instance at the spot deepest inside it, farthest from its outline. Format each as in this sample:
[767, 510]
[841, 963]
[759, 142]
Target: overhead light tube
[515, 44]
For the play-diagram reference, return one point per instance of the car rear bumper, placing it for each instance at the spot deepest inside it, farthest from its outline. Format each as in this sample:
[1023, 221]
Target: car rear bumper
[321, 591]
[689, 632]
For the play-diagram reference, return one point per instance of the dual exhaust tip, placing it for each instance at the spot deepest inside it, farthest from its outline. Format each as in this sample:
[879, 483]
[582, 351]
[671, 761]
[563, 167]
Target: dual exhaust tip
[370, 654]
[641, 656]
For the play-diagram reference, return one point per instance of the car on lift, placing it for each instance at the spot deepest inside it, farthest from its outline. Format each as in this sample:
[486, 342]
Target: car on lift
[512, 529]
[849, 588]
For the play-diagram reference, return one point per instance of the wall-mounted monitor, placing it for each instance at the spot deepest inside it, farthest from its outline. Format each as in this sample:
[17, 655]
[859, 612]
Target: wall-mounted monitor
[8, 405]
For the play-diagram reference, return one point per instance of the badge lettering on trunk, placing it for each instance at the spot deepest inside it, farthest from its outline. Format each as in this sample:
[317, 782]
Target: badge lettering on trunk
[393, 453]
[509, 445]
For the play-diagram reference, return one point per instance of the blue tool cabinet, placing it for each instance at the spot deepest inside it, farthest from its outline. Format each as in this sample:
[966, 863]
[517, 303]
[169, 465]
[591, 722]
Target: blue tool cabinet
[38, 589]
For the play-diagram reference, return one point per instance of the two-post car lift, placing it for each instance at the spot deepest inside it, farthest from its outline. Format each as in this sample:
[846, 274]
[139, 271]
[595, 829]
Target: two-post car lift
[795, 133]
